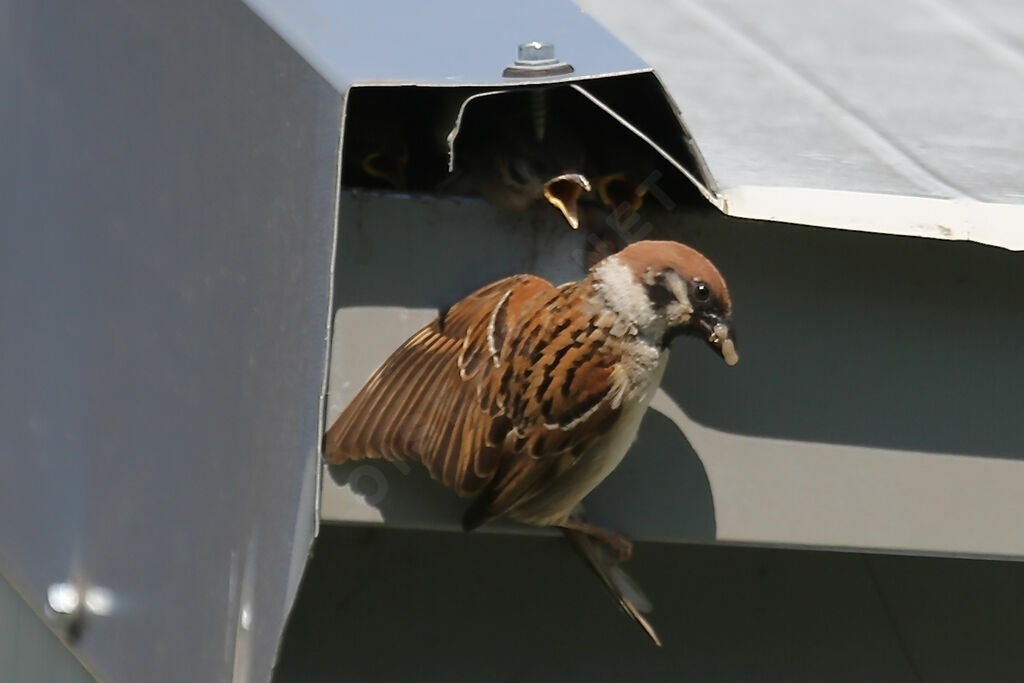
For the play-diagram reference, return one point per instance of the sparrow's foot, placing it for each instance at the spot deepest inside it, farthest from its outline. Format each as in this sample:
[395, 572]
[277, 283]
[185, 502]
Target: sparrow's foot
[619, 544]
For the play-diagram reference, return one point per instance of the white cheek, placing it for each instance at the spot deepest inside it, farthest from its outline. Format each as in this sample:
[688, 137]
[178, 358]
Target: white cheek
[678, 289]
[623, 294]
[679, 313]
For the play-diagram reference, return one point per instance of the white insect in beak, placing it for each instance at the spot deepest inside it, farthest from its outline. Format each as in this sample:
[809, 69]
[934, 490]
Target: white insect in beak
[720, 338]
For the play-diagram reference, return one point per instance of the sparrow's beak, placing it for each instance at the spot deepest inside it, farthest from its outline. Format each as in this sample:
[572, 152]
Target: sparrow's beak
[722, 339]
[388, 166]
[620, 195]
[563, 192]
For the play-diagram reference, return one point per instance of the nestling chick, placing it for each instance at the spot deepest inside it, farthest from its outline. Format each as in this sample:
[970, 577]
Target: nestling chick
[619, 167]
[514, 153]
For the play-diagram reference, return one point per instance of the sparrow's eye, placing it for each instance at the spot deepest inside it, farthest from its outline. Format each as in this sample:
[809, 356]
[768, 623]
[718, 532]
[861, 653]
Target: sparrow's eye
[701, 292]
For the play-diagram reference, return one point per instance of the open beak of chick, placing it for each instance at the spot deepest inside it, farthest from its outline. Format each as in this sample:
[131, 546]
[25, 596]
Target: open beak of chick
[620, 195]
[388, 165]
[563, 192]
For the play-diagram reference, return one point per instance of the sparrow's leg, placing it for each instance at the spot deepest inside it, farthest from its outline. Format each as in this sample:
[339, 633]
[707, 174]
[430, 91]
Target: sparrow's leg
[621, 545]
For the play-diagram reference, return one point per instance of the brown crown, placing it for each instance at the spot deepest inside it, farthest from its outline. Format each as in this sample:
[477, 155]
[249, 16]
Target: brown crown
[686, 261]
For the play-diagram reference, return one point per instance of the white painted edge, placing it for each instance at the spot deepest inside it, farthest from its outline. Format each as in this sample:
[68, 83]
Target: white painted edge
[777, 492]
[1000, 225]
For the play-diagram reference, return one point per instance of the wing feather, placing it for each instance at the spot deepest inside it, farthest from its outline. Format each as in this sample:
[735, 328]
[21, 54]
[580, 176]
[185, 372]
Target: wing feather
[489, 396]
[412, 404]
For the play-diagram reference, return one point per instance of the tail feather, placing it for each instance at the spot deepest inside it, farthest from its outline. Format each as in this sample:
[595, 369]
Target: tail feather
[625, 591]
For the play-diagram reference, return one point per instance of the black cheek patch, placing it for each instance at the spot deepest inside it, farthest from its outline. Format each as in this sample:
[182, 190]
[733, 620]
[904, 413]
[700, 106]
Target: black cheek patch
[659, 295]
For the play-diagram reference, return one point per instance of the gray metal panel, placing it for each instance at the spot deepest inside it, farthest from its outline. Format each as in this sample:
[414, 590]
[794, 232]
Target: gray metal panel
[874, 405]
[169, 196]
[442, 42]
[819, 113]
[29, 652]
[456, 607]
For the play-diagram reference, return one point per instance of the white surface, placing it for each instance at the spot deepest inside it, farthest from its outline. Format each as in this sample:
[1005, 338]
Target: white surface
[920, 99]
[961, 218]
[871, 498]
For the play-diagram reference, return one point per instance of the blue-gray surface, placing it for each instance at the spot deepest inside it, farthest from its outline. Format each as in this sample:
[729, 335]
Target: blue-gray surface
[385, 605]
[444, 42]
[168, 201]
[29, 652]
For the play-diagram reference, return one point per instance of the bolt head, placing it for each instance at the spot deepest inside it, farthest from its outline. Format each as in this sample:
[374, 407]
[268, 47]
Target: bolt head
[63, 598]
[536, 53]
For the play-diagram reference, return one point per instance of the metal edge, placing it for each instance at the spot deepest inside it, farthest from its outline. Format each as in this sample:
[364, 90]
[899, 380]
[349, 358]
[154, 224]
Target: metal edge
[856, 550]
[705, 185]
[902, 215]
[317, 463]
[511, 528]
[707, 192]
[329, 328]
[501, 84]
[691, 142]
[275, 14]
[457, 125]
[40, 613]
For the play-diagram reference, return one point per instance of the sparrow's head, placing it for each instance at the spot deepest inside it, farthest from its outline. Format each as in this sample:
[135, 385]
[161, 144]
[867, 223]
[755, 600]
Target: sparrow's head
[668, 289]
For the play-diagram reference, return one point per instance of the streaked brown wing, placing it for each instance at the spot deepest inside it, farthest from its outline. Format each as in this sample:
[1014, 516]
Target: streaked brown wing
[499, 394]
[422, 403]
[557, 392]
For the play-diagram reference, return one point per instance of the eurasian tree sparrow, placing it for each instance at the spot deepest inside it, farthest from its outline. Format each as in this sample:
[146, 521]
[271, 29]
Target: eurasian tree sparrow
[528, 395]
